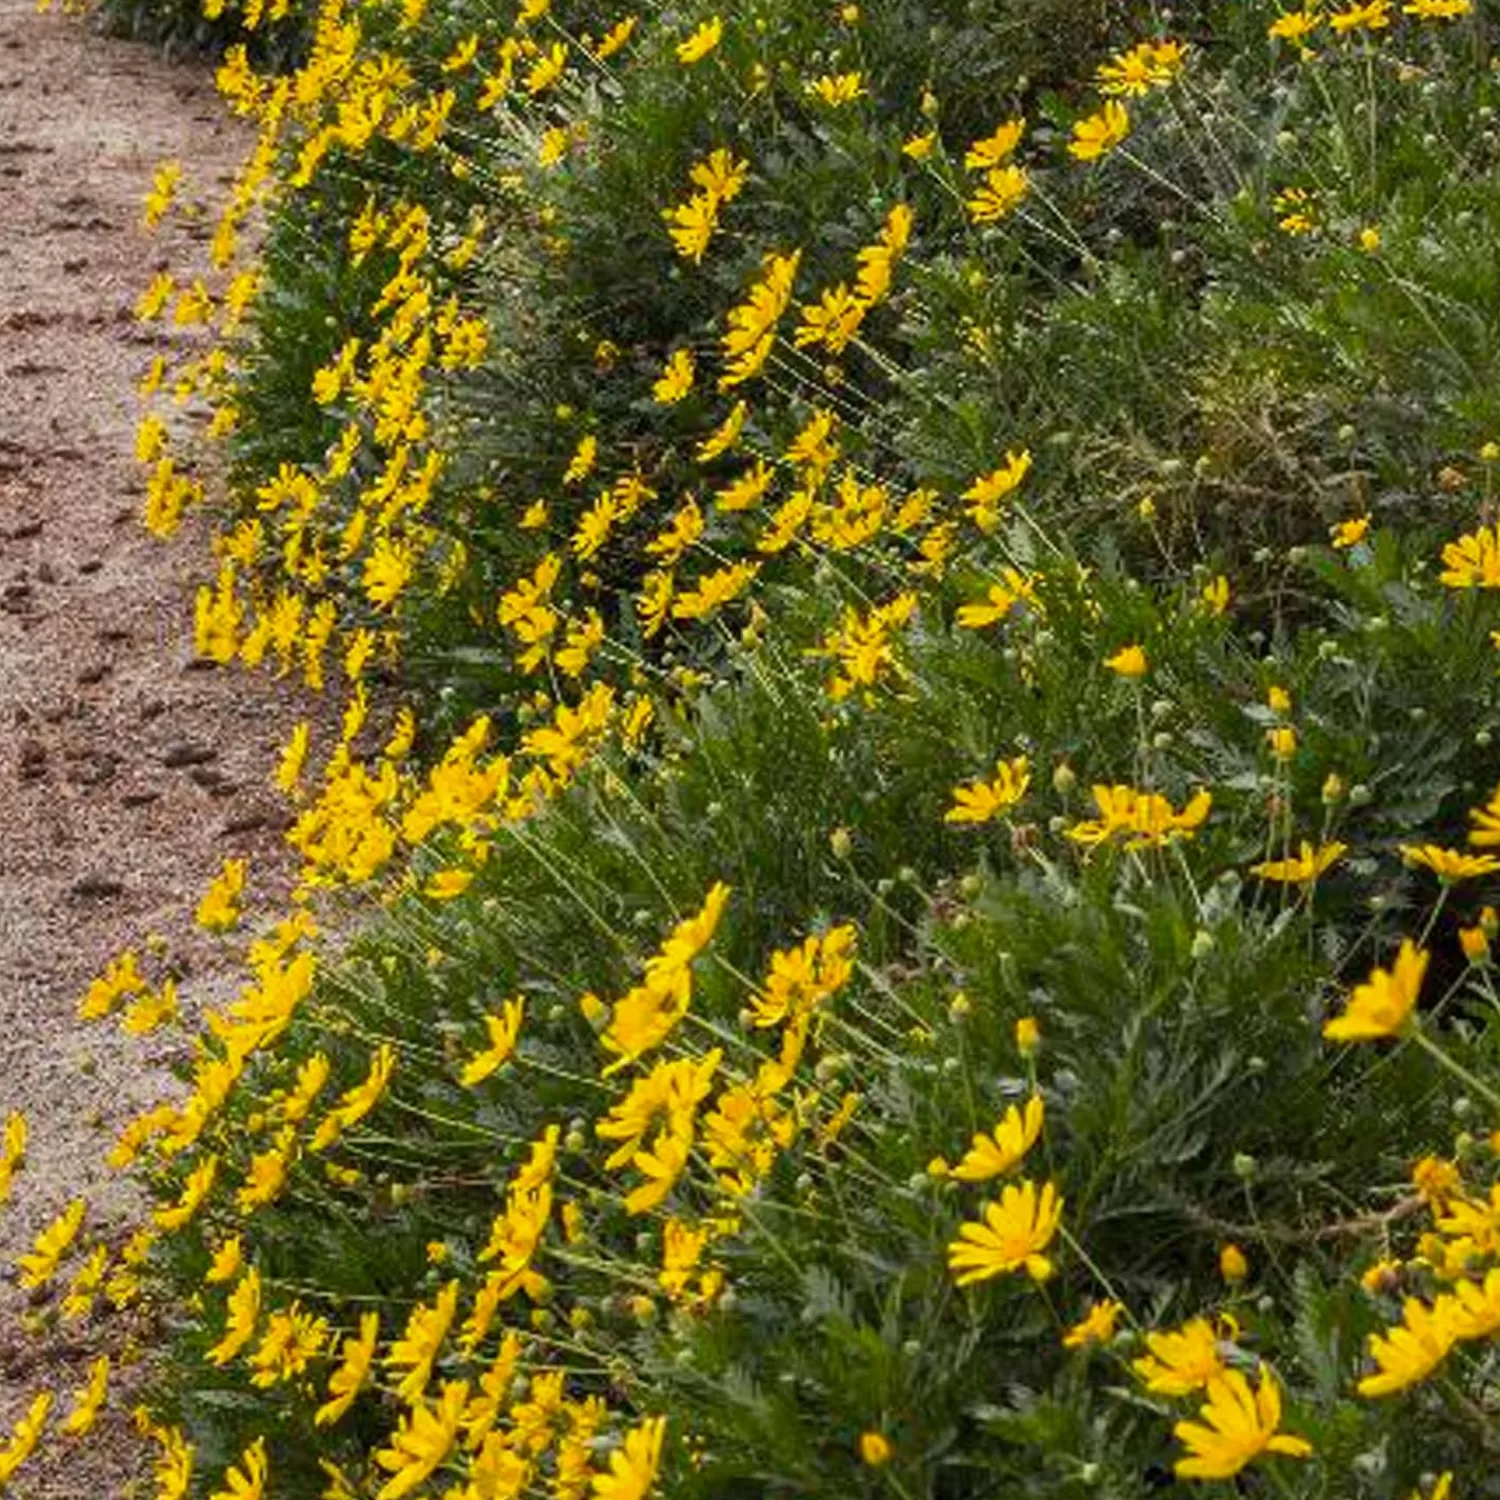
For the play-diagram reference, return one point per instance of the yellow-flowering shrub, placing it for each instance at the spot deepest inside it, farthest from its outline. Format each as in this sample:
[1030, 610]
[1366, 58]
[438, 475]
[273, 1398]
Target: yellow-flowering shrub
[925, 926]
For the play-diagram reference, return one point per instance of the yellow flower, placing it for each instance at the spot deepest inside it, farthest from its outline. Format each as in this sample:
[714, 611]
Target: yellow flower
[691, 225]
[1240, 1426]
[990, 1155]
[838, 89]
[1297, 211]
[1179, 1363]
[996, 148]
[1100, 133]
[52, 1244]
[1382, 1006]
[219, 910]
[1233, 1266]
[1474, 1309]
[1373, 16]
[503, 1030]
[1028, 1036]
[346, 1382]
[154, 299]
[1295, 26]
[1412, 1350]
[1438, 10]
[423, 1440]
[293, 759]
[751, 331]
[1215, 595]
[986, 493]
[720, 175]
[24, 1437]
[632, 1468]
[1097, 1326]
[417, 1348]
[1144, 67]
[247, 1482]
[581, 465]
[1003, 188]
[1282, 741]
[724, 436]
[241, 1314]
[226, 1261]
[1349, 533]
[174, 1467]
[1147, 817]
[267, 1175]
[1128, 661]
[547, 69]
[676, 379]
[1369, 239]
[713, 591]
[387, 570]
[199, 1182]
[292, 1339]
[920, 147]
[1000, 599]
[88, 1401]
[1011, 1236]
[1436, 1181]
[12, 1151]
[875, 1449]
[311, 1076]
[1473, 561]
[1485, 833]
[701, 42]
[1307, 867]
[357, 1102]
[150, 1010]
[1449, 865]
[833, 321]
[981, 801]
[616, 37]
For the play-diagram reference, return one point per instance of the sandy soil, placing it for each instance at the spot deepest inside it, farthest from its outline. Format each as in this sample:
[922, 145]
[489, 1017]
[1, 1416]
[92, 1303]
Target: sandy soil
[127, 772]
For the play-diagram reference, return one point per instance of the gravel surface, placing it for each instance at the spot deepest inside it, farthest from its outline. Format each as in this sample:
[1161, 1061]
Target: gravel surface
[127, 772]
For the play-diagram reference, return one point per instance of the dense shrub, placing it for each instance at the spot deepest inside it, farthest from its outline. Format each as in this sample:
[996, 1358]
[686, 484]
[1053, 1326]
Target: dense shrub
[971, 692]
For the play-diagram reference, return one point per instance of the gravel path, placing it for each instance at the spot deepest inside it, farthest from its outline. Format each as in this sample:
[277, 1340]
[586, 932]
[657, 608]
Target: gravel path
[127, 773]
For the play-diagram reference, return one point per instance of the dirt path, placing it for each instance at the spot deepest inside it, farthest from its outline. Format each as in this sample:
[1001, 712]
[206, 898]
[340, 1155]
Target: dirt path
[126, 772]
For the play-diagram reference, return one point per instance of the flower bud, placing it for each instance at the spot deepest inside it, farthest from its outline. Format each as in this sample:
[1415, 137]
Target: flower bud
[1233, 1266]
[1475, 942]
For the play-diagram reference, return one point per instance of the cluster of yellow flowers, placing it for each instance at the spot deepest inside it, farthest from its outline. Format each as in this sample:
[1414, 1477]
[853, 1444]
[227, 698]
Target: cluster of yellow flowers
[479, 1388]
[1369, 17]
